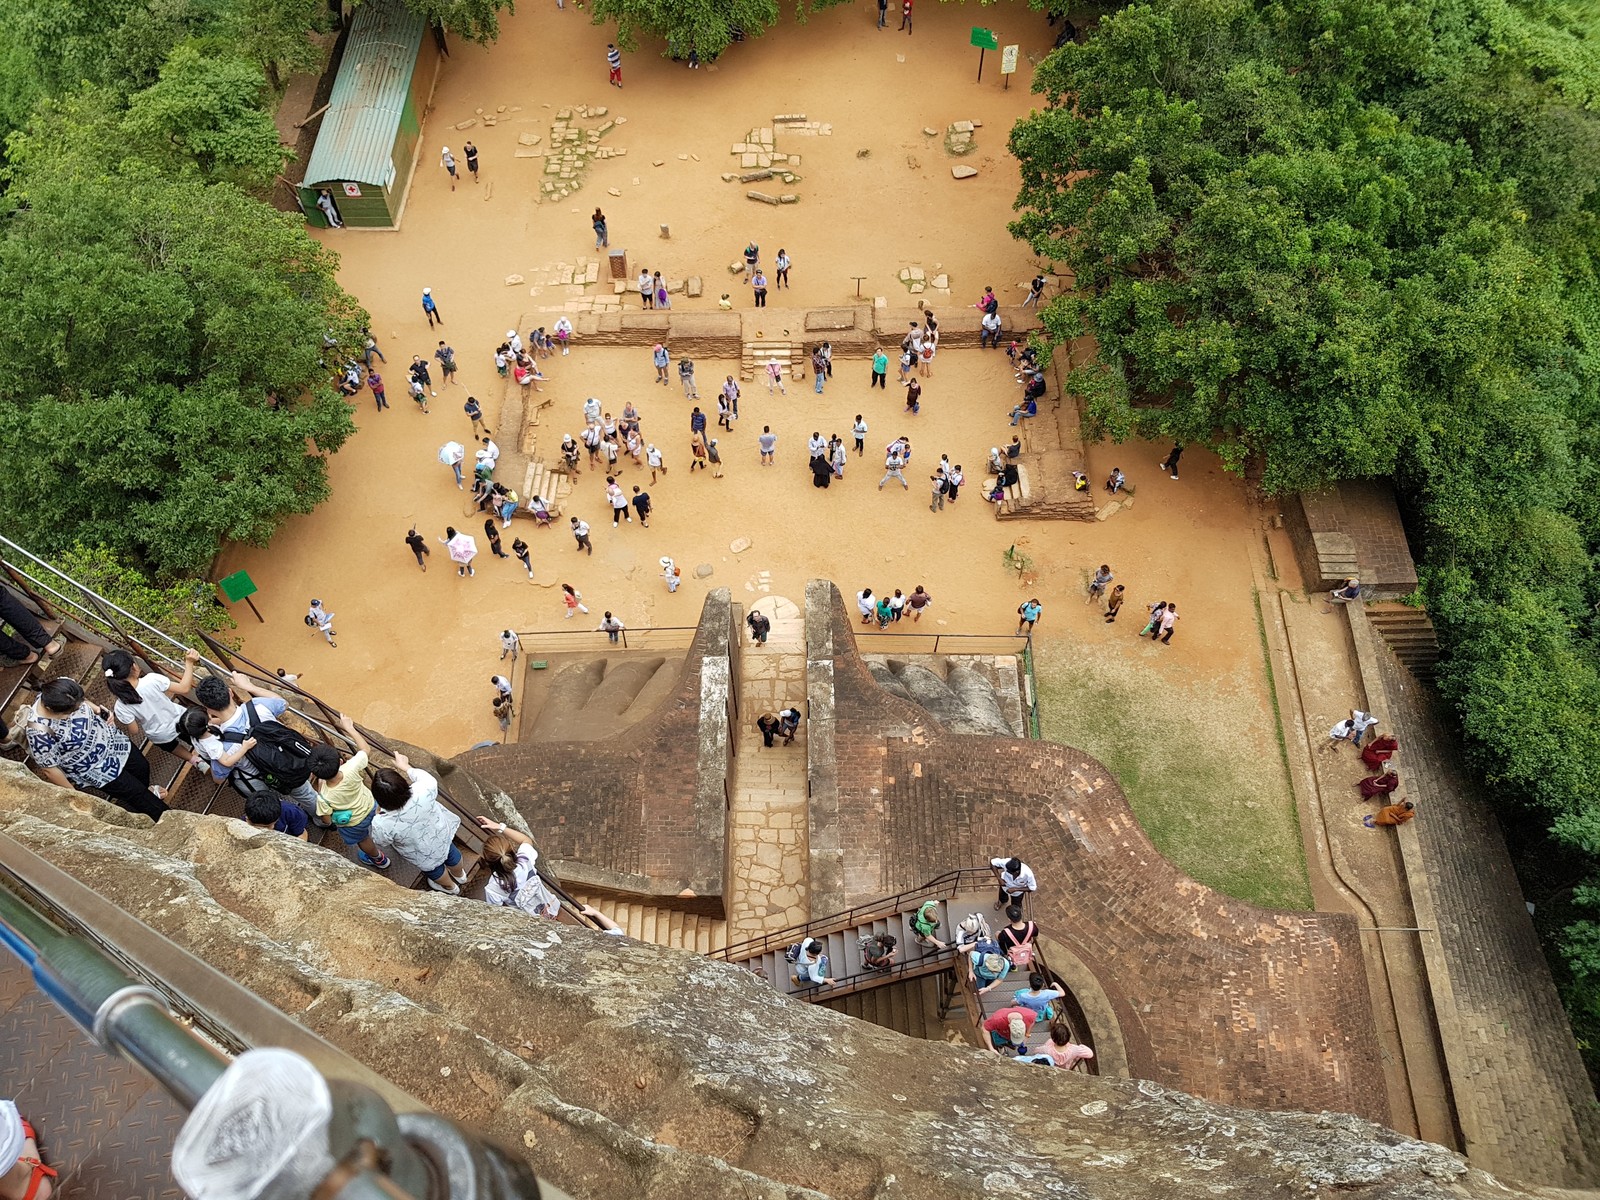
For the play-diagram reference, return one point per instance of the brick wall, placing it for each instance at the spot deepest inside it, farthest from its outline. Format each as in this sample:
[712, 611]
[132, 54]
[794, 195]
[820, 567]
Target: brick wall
[1241, 1005]
[645, 813]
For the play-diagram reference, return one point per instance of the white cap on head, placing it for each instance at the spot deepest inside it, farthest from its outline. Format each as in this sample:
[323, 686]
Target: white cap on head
[666, 562]
[427, 291]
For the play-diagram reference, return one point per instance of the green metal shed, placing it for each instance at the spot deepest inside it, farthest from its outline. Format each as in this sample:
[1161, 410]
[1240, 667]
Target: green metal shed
[367, 144]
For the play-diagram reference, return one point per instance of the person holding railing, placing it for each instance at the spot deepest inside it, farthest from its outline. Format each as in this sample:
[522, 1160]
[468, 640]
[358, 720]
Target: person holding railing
[343, 796]
[73, 744]
[144, 700]
[411, 822]
[234, 737]
[1016, 881]
[516, 882]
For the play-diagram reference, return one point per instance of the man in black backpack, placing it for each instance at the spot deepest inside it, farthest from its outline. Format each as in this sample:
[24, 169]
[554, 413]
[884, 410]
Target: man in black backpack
[258, 746]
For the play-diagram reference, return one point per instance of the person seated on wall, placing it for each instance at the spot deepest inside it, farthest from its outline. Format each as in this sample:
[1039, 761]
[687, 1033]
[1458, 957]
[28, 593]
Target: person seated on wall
[1380, 750]
[1375, 786]
[1348, 591]
[1394, 814]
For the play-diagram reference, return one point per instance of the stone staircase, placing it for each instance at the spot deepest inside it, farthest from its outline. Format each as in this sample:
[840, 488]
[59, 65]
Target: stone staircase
[663, 926]
[755, 356]
[550, 485]
[1409, 633]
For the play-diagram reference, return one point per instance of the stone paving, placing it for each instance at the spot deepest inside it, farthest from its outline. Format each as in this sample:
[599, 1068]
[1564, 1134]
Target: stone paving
[767, 801]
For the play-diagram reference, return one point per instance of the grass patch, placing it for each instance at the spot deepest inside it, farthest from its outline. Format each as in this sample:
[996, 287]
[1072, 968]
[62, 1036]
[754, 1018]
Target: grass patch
[1194, 764]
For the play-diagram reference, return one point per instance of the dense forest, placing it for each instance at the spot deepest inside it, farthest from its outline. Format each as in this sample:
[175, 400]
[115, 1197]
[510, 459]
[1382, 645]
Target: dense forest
[1336, 239]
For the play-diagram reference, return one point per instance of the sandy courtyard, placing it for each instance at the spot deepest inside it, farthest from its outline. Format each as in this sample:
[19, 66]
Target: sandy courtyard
[416, 651]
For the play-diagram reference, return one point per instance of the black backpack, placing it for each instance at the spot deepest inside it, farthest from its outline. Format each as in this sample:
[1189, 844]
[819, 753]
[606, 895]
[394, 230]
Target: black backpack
[282, 755]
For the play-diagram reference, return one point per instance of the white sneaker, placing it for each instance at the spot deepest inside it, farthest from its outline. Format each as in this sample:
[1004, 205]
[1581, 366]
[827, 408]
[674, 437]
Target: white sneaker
[448, 887]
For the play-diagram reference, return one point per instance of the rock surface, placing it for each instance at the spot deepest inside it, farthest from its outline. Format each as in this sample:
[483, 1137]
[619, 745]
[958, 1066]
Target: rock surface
[627, 1069]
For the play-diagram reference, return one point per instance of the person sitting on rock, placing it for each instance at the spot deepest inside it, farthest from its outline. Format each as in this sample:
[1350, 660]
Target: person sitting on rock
[1116, 481]
[1350, 590]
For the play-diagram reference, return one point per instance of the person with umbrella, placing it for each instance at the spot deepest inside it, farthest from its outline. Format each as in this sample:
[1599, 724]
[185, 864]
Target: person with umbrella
[462, 549]
[452, 455]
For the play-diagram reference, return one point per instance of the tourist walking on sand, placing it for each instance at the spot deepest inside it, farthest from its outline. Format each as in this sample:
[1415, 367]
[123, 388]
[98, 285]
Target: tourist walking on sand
[475, 412]
[375, 382]
[1029, 611]
[563, 328]
[758, 284]
[894, 466]
[430, 306]
[602, 239]
[493, 534]
[448, 162]
[1169, 619]
[1154, 623]
[580, 532]
[670, 573]
[730, 392]
[1170, 463]
[781, 264]
[641, 505]
[421, 373]
[447, 363]
[572, 599]
[321, 620]
[653, 457]
[752, 256]
[1114, 604]
[471, 152]
[837, 456]
[510, 644]
[775, 378]
[768, 441]
[647, 289]
[819, 369]
[883, 14]
[419, 547]
[611, 627]
[859, 431]
[1097, 585]
[502, 685]
[520, 549]
[686, 378]
[618, 501]
[663, 295]
[880, 369]
[614, 61]
[941, 489]
[917, 602]
[661, 358]
[866, 605]
[905, 16]
[724, 413]
[715, 456]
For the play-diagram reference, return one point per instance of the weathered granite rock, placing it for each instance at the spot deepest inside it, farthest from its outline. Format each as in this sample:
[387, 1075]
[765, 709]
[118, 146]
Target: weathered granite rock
[630, 1070]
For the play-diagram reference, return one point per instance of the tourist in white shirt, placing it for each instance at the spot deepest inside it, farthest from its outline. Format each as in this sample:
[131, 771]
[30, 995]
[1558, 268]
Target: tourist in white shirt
[1016, 880]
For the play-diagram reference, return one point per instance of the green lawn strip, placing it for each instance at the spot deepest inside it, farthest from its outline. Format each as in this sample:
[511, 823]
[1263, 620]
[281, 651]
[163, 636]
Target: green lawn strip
[1196, 783]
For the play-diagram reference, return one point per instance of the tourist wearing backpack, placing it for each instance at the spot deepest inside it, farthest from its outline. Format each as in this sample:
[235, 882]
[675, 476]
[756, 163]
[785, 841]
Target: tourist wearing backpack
[1016, 939]
[925, 925]
[810, 963]
[343, 796]
[259, 750]
[878, 951]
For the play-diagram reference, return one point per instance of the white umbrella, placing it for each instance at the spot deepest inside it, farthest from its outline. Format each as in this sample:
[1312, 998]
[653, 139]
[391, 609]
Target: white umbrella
[462, 548]
[451, 453]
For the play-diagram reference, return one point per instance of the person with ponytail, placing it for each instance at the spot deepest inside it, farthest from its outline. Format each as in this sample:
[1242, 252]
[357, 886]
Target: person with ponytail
[73, 744]
[144, 701]
[515, 882]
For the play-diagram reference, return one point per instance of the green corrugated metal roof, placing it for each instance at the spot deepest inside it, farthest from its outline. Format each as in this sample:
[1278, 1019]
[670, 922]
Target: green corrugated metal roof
[369, 93]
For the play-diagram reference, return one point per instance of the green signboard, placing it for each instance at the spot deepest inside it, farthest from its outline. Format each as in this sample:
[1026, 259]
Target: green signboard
[237, 586]
[984, 39]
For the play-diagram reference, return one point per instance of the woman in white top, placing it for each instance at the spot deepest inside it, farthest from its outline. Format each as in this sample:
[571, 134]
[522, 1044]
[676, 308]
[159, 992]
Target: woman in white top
[515, 882]
[144, 700]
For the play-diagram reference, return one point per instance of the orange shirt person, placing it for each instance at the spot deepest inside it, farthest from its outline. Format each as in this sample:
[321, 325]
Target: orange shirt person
[1393, 814]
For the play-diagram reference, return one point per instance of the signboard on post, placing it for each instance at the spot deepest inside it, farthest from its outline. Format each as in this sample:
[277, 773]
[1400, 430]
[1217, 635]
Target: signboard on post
[983, 39]
[1008, 63]
[239, 586]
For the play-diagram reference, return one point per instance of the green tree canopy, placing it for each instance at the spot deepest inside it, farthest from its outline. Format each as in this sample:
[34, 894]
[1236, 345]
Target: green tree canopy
[1335, 239]
[152, 320]
[705, 26]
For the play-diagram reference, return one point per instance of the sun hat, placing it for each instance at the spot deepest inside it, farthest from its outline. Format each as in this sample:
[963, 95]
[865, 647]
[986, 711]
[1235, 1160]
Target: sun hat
[1018, 1029]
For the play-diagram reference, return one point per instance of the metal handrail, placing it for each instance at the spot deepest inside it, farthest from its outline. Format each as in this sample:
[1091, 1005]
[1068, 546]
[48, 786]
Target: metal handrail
[223, 665]
[867, 635]
[639, 633]
[947, 884]
[134, 1020]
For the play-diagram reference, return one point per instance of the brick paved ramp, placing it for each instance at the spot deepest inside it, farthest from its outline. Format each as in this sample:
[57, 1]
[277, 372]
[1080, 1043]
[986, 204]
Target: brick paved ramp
[1526, 1107]
[1231, 1002]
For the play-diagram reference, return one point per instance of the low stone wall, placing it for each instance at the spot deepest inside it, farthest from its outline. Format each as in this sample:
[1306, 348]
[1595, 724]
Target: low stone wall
[1352, 528]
